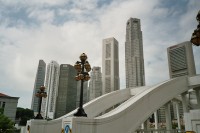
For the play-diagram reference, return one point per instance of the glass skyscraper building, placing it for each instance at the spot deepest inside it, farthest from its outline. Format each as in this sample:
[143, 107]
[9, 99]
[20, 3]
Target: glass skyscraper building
[134, 59]
[39, 81]
[67, 90]
[51, 84]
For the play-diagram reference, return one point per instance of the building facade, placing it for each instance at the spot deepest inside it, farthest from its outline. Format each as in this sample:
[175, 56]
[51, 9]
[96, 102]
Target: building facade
[51, 84]
[110, 65]
[134, 58]
[181, 60]
[39, 81]
[9, 106]
[67, 90]
[180, 63]
[95, 84]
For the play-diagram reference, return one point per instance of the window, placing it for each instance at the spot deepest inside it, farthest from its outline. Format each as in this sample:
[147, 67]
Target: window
[108, 50]
[4, 104]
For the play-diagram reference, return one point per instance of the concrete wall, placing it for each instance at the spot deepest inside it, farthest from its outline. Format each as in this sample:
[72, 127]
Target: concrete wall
[10, 106]
[192, 121]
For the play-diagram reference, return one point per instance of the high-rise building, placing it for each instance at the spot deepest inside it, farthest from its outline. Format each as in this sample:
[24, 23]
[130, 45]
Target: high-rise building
[67, 90]
[39, 81]
[134, 58]
[110, 65]
[181, 63]
[95, 84]
[181, 60]
[51, 84]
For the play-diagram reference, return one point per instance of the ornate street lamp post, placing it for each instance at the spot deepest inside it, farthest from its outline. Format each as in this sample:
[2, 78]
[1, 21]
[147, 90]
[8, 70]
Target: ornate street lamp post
[82, 67]
[40, 94]
[195, 39]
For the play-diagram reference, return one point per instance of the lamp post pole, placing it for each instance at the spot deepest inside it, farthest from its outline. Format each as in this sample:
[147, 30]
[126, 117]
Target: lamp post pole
[40, 94]
[82, 67]
[195, 39]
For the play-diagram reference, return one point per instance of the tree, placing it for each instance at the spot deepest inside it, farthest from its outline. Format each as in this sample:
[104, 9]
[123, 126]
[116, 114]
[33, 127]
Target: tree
[23, 115]
[6, 125]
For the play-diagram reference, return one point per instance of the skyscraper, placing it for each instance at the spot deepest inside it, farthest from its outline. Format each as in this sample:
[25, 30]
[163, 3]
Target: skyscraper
[67, 90]
[181, 60]
[181, 63]
[134, 59]
[51, 84]
[39, 81]
[95, 84]
[110, 65]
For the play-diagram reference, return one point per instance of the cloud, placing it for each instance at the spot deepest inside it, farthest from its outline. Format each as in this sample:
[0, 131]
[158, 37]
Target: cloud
[46, 15]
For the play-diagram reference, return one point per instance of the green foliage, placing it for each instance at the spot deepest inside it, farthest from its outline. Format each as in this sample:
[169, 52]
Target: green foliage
[6, 125]
[23, 115]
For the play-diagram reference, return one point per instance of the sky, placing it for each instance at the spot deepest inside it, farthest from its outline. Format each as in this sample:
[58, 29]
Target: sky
[61, 30]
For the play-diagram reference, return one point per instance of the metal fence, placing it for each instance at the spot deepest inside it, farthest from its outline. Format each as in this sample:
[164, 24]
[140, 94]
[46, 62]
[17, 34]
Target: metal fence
[159, 131]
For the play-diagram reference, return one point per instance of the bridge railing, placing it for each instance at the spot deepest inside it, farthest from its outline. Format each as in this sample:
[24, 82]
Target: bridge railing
[159, 131]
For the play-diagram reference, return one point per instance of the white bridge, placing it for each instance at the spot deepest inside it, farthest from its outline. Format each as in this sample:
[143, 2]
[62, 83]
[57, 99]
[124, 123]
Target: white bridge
[132, 107]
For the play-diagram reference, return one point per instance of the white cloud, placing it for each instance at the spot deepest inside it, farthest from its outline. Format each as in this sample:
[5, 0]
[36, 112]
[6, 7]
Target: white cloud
[42, 15]
[34, 2]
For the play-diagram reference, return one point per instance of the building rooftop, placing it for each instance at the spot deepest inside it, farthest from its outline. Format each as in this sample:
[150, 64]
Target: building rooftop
[3, 95]
[6, 96]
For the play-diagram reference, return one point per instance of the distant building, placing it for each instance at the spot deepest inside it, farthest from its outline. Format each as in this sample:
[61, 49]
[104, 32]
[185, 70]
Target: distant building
[95, 84]
[39, 81]
[181, 60]
[9, 105]
[110, 65]
[134, 58]
[67, 90]
[51, 84]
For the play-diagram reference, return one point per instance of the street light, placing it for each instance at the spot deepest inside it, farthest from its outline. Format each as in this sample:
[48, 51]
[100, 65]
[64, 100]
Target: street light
[40, 94]
[195, 39]
[82, 67]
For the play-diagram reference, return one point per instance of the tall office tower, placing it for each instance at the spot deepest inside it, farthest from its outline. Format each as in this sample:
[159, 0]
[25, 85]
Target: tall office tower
[67, 90]
[134, 59]
[95, 84]
[85, 92]
[110, 65]
[39, 81]
[181, 60]
[51, 84]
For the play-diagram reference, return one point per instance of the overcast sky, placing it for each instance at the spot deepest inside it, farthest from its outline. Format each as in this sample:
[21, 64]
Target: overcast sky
[61, 30]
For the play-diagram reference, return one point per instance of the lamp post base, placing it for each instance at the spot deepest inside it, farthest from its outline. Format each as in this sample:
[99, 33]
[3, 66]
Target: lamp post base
[80, 113]
[39, 116]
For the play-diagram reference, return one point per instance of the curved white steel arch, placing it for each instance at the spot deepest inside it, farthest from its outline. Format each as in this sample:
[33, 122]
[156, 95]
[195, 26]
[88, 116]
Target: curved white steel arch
[126, 117]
